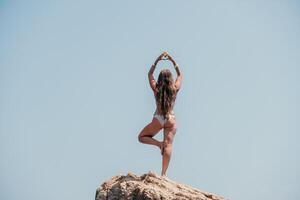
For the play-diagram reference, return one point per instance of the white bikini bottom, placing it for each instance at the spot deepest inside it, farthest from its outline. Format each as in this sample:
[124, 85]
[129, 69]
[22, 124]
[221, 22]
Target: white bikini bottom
[161, 119]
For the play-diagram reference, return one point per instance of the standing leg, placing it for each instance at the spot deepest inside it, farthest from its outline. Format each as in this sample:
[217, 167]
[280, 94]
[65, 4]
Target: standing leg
[146, 135]
[169, 133]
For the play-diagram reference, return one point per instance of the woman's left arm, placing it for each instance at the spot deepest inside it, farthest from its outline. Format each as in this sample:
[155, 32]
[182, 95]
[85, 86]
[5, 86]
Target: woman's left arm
[152, 81]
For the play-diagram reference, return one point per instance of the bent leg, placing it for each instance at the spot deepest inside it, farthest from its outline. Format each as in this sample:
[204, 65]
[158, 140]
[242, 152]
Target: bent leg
[146, 135]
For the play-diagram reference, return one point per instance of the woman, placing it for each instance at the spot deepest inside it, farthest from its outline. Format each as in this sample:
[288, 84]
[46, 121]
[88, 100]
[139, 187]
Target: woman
[165, 92]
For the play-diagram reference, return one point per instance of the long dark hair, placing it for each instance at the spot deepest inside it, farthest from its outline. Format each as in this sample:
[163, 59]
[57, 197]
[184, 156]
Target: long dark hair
[166, 92]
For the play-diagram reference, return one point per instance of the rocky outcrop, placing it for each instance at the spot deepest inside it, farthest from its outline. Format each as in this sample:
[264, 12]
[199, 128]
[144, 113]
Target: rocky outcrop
[149, 186]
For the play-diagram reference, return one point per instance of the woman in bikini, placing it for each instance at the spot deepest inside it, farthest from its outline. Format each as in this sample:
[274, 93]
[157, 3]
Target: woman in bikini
[165, 92]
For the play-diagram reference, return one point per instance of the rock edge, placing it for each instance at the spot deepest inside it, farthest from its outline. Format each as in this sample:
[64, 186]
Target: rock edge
[149, 186]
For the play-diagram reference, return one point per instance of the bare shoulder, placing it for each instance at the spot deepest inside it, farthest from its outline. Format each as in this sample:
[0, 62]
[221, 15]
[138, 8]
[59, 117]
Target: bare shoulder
[178, 82]
[176, 88]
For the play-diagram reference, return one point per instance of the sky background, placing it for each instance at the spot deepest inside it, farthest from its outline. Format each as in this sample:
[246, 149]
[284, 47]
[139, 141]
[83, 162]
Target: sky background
[75, 95]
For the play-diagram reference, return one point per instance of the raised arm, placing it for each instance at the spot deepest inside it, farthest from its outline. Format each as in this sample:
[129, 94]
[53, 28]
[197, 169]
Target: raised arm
[152, 81]
[179, 74]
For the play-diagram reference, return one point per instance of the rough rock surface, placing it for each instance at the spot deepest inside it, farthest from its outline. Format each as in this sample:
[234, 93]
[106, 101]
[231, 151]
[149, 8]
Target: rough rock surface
[149, 186]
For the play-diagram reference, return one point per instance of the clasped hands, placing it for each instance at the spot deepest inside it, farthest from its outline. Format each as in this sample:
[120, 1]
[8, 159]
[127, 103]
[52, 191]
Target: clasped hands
[164, 56]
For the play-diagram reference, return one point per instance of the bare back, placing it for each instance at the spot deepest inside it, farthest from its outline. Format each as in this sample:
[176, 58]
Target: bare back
[158, 110]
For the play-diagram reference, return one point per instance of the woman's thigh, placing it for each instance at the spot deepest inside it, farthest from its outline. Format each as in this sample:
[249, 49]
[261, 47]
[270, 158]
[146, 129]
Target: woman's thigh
[152, 128]
[170, 131]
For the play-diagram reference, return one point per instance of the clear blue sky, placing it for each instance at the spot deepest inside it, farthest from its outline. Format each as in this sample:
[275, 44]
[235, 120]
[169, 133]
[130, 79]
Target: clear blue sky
[75, 95]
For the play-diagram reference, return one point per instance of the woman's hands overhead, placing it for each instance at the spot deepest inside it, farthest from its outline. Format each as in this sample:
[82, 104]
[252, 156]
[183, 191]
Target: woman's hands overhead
[162, 56]
[165, 56]
[168, 57]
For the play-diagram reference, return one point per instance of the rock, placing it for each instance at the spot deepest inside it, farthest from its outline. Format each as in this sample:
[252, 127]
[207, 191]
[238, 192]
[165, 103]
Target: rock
[149, 186]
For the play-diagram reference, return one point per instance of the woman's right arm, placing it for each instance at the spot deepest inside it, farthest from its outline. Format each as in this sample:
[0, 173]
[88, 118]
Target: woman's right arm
[179, 74]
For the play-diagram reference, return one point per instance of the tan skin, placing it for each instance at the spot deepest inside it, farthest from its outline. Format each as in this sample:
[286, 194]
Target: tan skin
[169, 129]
